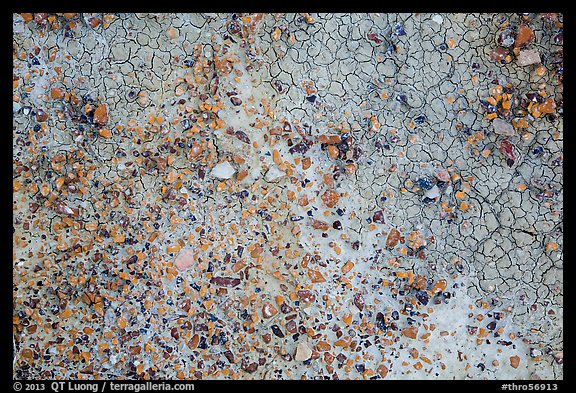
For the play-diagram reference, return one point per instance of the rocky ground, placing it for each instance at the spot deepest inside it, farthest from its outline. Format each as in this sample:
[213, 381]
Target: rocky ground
[288, 196]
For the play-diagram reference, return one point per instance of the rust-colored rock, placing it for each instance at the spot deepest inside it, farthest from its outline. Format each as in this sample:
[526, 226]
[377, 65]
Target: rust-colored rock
[134, 350]
[410, 332]
[193, 343]
[524, 36]
[27, 16]
[330, 139]
[249, 368]
[343, 342]
[195, 151]
[306, 296]
[515, 361]
[56, 93]
[393, 238]
[315, 276]
[330, 198]
[439, 286]
[382, 371]
[548, 106]
[323, 346]
[223, 66]
[269, 310]
[94, 21]
[499, 54]
[321, 225]
[41, 115]
[333, 151]
[101, 115]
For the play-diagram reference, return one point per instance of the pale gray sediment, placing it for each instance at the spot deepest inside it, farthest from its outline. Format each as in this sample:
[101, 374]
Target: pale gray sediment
[278, 155]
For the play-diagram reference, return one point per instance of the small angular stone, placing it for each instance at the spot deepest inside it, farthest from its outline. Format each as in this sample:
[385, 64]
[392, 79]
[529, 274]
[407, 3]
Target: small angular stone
[378, 217]
[506, 38]
[393, 238]
[303, 352]
[223, 170]
[442, 175]
[528, 57]
[524, 36]
[410, 332]
[101, 115]
[502, 127]
[317, 224]
[268, 310]
[225, 281]
[507, 149]
[548, 106]
[359, 301]
[438, 19]
[499, 54]
[306, 296]
[425, 183]
[41, 115]
[432, 193]
[184, 260]
[330, 198]
[514, 361]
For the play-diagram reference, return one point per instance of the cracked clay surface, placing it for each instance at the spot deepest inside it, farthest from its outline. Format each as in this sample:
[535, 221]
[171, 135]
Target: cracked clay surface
[287, 196]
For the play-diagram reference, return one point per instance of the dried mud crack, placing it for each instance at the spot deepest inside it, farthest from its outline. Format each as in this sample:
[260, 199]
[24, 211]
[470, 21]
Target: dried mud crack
[287, 196]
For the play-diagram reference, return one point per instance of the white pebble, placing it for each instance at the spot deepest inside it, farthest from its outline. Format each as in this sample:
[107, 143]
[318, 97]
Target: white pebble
[223, 170]
[432, 193]
[302, 352]
[438, 19]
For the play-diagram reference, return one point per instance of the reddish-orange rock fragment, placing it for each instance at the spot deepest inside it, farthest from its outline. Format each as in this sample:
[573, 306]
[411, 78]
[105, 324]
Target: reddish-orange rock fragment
[56, 93]
[382, 371]
[306, 296]
[393, 238]
[410, 332]
[101, 115]
[323, 346]
[317, 224]
[525, 35]
[269, 310]
[330, 139]
[548, 106]
[27, 16]
[330, 198]
[514, 361]
[315, 276]
[439, 286]
[333, 151]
